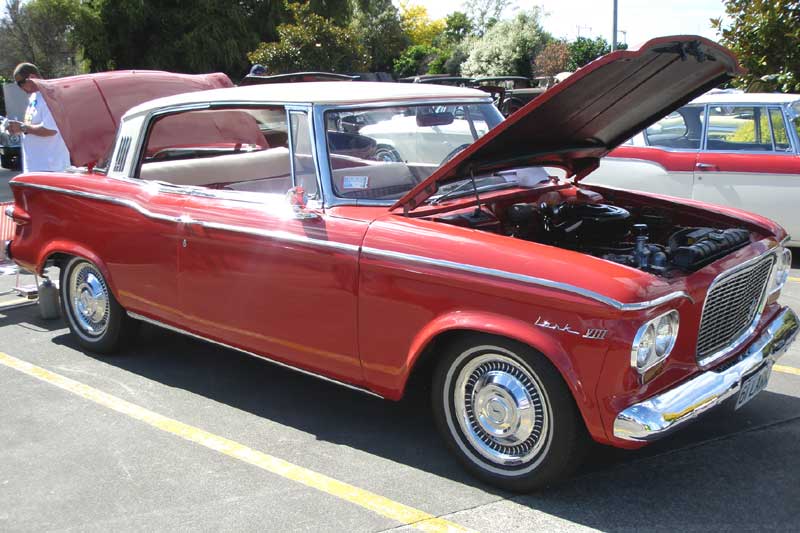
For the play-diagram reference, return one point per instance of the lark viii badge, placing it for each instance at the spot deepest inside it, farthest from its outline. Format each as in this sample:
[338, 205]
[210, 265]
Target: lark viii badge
[591, 333]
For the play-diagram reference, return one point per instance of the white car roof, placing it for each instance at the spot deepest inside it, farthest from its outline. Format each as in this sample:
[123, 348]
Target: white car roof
[323, 92]
[746, 98]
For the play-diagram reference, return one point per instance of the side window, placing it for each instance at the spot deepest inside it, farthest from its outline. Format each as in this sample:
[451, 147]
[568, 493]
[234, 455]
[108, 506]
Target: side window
[779, 132]
[739, 128]
[232, 148]
[305, 172]
[681, 129]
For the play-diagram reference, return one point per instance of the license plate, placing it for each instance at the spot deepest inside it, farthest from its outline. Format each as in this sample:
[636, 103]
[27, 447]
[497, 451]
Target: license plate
[753, 385]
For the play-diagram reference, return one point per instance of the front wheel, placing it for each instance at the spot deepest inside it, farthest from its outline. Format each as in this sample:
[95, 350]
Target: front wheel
[506, 413]
[93, 314]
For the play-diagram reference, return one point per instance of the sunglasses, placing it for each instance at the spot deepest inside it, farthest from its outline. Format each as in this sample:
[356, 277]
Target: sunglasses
[20, 83]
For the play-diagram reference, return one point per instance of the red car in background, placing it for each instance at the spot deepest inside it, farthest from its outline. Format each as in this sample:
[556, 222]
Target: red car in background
[729, 148]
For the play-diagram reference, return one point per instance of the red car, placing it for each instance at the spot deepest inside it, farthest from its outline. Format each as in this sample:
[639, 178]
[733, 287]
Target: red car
[540, 311]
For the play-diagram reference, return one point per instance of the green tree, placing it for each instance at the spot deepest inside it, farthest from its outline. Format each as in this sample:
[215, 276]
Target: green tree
[485, 13]
[508, 47]
[376, 24]
[765, 35]
[415, 60]
[40, 32]
[214, 35]
[311, 42]
[584, 50]
[457, 27]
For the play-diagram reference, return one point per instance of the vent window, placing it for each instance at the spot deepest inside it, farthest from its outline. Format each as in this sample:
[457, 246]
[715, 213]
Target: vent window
[122, 153]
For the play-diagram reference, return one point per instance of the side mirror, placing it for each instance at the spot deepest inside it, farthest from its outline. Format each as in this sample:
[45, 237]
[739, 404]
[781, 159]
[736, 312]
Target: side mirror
[297, 199]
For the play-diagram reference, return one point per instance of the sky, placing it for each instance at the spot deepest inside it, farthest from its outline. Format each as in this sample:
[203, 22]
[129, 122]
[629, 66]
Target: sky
[637, 20]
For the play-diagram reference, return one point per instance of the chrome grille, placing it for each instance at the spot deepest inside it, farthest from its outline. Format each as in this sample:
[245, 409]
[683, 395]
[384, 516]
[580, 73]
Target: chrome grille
[731, 306]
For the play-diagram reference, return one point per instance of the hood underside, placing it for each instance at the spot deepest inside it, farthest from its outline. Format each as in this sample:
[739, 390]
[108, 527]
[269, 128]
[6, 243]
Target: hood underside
[88, 108]
[593, 111]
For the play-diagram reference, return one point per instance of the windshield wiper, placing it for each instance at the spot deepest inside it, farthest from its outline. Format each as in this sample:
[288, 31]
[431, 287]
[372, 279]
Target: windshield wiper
[448, 194]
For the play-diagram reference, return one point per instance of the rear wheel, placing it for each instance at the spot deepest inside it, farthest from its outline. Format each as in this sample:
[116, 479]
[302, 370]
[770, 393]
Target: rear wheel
[93, 314]
[506, 413]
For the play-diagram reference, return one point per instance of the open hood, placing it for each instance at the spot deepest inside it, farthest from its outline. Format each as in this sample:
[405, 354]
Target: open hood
[591, 112]
[88, 108]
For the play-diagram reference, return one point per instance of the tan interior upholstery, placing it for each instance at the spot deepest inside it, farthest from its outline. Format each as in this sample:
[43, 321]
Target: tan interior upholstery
[229, 168]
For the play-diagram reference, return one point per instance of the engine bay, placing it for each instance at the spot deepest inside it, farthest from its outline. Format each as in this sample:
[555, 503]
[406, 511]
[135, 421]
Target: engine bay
[649, 238]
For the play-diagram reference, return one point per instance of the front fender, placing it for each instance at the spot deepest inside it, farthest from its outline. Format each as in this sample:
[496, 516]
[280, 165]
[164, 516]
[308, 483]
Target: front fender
[544, 341]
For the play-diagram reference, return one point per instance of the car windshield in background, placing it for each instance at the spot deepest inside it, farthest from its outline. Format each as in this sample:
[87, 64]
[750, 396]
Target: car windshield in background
[382, 153]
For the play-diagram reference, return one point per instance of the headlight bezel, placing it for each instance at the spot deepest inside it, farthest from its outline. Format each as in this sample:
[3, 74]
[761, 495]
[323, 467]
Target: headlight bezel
[781, 270]
[652, 359]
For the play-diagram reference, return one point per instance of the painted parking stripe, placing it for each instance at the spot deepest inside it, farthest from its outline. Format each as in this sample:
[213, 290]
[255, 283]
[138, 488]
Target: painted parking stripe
[14, 303]
[363, 498]
[794, 279]
[787, 369]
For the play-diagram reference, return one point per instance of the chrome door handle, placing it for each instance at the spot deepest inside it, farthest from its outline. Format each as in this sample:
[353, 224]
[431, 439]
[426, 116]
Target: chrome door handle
[706, 166]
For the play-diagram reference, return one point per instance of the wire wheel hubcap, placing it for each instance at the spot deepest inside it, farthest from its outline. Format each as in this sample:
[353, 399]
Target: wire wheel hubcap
[89, 299]
[501, 409]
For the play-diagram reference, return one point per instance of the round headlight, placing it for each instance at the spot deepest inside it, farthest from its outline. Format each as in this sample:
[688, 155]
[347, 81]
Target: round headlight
[666, 332]
[781, 270]
[654, 341]
[646, 347]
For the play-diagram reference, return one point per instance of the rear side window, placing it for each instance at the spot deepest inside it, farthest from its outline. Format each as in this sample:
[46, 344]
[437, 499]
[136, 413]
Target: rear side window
[739, 128]
[681, 129]
[779, 132]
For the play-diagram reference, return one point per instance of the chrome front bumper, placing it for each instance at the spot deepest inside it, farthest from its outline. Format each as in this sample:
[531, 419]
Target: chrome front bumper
[661, 414]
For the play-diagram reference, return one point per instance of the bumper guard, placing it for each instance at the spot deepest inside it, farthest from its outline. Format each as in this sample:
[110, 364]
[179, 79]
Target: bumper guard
[654, 418]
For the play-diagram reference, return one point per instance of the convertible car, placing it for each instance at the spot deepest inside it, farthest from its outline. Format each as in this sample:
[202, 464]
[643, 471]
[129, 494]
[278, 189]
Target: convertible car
[540, 311]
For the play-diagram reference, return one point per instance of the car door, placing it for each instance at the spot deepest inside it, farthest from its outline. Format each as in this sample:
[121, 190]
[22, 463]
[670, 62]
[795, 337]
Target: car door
[262, 276]
[749, 162]
[659, 160]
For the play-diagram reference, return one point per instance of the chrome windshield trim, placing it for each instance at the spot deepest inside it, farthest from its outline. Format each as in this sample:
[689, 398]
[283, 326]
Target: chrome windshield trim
[761, 305]
[530, 280]
[272, 234]
[252, 354]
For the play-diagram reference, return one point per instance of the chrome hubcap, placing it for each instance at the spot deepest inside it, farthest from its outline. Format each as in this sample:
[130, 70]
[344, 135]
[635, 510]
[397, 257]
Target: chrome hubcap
[89, 299]
[501, 409]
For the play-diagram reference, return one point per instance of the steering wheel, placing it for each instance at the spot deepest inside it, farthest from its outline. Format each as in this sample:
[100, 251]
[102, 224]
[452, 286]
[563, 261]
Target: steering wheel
[452, 154]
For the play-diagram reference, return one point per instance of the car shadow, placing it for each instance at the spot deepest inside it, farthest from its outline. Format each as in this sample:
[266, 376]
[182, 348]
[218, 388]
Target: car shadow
[709, 473]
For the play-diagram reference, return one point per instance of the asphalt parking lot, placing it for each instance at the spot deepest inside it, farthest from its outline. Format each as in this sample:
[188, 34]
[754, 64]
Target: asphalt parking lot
[177, 434]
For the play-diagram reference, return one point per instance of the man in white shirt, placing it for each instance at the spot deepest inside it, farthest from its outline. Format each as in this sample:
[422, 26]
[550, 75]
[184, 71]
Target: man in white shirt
[43, 148]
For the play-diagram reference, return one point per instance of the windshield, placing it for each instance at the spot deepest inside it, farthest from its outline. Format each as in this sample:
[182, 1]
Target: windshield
[382, 153]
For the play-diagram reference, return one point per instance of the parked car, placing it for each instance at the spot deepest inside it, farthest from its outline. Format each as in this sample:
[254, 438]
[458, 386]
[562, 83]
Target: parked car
[735, 149]
[16, 101]
[518, 90]
[295, 77]
[538, 309]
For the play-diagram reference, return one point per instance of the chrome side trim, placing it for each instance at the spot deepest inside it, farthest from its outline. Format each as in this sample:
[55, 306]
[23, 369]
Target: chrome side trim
[277, 235]
[761, 305]
[530, 280]
[653, 418]
[102, 198]
[137, 316]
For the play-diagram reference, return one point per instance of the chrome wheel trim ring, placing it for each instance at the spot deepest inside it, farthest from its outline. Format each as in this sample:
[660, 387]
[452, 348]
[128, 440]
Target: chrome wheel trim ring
[501, 408]
[386, 154]
[88, 299]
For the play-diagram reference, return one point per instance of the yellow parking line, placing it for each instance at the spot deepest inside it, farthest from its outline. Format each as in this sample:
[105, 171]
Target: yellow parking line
[368, 500]
[787, 369]
[794, 279]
